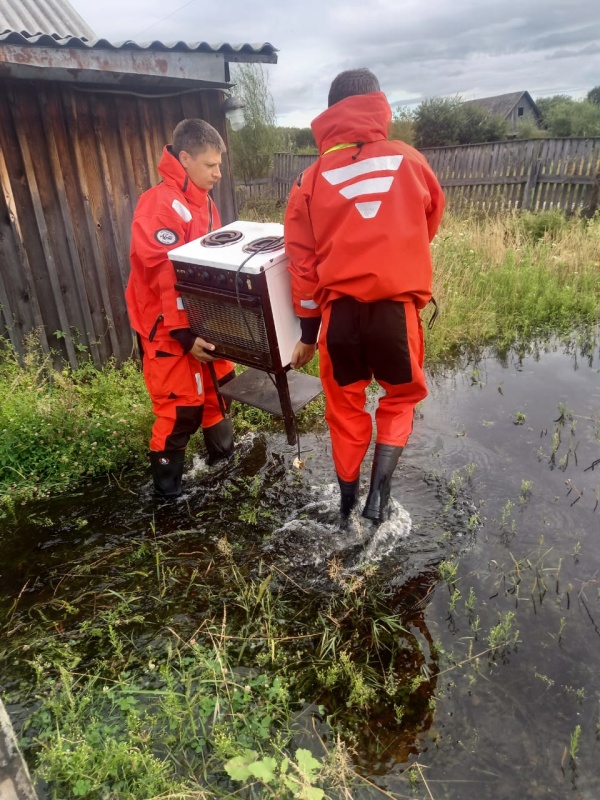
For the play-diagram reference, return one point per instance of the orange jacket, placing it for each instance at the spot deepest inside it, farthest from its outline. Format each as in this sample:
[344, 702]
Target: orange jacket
[168, 215]
[359, 220]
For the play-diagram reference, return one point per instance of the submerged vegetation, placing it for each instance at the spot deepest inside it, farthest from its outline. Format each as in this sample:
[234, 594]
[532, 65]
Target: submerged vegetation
[123, 695]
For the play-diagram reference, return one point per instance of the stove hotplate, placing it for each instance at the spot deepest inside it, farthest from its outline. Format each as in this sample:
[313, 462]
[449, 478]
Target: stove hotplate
[255, 245]
[222, 238]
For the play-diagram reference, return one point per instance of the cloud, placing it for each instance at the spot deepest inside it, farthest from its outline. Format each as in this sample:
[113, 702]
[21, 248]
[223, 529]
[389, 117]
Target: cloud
[472, 48]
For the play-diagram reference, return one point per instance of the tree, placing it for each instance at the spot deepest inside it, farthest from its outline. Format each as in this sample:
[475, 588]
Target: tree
[403, 125]
[296, 140]
[477, 124]
[593, 96]
[444, 121]
[527, 129]
[253, 146]
[437, 121]
[562, 115]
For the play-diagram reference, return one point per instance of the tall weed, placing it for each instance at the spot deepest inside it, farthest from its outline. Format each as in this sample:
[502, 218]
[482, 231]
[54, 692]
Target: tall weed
[500, 279]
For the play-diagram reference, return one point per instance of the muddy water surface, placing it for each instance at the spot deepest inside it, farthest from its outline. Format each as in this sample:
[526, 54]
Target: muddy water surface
[491, 558]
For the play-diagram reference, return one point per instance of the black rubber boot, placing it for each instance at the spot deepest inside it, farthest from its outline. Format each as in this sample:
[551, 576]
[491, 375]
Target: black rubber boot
[167, 471]
[385, 460]
[349, 496]
[219, 441]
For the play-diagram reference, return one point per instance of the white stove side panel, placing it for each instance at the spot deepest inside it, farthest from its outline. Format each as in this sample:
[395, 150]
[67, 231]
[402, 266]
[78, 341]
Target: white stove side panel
[287, 324]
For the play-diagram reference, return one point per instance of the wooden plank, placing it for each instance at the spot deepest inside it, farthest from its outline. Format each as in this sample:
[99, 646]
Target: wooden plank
[52, 120]
[494, 194]
[124, 115]
[546, 149]
[90, 65]
[15, 781]
[20, 307]
[530, 186]
[502, 181]
[23, 127]
[556, 164]
[115, 242]
[88, 178]
[474, 169]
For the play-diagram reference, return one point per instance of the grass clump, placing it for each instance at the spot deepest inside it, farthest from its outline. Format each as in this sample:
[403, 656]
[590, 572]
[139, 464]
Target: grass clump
[60, 426]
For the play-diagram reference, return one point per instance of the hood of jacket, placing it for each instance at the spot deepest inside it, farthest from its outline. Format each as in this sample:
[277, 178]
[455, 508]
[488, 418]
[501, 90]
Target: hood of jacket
[360, 118]
[173, 174]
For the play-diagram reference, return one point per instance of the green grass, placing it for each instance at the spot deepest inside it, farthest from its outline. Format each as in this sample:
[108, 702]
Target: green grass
[503, 280]
[60, 426]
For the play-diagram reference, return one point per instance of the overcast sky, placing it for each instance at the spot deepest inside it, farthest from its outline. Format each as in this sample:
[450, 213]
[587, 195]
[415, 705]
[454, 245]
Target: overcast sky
[471, 48]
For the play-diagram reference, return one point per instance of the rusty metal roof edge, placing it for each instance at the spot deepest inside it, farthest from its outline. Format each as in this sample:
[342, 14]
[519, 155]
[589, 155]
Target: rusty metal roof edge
[51, 40]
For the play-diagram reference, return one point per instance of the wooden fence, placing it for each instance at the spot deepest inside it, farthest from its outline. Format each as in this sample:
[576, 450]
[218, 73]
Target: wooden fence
[533, 174]
[286, 168]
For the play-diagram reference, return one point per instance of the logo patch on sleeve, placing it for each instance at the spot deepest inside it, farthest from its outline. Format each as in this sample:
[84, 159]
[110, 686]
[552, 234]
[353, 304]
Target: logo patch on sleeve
[166, 236]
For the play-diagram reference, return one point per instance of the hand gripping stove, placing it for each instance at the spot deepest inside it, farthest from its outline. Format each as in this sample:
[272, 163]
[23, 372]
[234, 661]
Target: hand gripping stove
[235, 288]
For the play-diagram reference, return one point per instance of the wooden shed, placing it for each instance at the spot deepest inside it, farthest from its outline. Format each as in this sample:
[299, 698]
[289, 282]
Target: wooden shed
[82, 126]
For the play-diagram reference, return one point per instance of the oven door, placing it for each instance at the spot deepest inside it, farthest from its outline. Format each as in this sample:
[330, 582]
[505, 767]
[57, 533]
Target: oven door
[234, 323]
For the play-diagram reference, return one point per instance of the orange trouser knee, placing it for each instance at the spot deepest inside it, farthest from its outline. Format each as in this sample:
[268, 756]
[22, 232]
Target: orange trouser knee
[183, 397]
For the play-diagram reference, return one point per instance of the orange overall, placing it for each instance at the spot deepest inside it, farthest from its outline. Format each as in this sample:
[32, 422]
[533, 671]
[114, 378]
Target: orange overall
[181, 388]
[358, 226]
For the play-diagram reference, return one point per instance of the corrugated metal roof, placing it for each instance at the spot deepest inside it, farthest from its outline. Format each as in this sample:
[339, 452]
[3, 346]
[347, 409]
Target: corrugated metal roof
[54, 17]
[46, 40]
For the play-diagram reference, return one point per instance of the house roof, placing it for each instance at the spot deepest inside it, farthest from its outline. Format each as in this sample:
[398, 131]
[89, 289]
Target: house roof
[48, 40]
[503, 104]
[43, 16]
[234, 52]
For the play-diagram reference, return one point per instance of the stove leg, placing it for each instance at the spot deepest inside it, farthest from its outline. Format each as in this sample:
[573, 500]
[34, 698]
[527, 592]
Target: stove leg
[289, 418]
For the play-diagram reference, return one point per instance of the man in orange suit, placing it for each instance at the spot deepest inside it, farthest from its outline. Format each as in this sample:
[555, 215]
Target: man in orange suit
[181, 375]
[358, 227]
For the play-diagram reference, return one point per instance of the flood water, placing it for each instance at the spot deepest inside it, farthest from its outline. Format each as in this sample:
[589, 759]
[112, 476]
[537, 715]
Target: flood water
[496, 513]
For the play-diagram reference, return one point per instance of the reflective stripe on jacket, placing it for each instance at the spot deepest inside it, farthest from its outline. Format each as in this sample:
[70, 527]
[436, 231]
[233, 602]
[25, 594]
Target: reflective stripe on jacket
[360, 220]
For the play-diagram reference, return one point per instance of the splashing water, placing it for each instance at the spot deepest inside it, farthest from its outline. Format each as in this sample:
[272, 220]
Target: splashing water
[314, 534]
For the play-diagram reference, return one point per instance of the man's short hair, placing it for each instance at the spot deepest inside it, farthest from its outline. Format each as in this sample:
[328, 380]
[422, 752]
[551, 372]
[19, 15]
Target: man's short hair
[194, 136]
[351, 82]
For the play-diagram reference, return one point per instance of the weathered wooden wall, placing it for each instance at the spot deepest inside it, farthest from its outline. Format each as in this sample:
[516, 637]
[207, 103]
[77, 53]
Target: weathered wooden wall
[72, 166]
[533, 174]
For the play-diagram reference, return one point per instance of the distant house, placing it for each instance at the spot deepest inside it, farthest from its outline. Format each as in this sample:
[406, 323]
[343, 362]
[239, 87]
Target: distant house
[82, 125]
[516, 107]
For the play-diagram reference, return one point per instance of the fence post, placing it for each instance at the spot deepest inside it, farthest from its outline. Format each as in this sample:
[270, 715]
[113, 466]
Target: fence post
[594, 197]
[530, 186]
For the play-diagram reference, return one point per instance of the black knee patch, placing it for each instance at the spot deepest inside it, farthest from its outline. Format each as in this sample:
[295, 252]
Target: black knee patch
[388, 350]
[187, 422]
